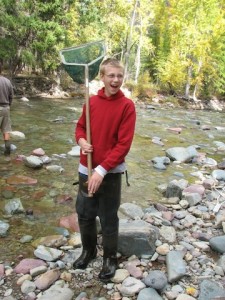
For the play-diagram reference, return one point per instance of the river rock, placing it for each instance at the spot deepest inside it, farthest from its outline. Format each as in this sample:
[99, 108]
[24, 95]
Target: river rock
[219, 174]
[131, 210]
[120, 275]
[137, 237]
[160, 162]
[24, 99]
[210, 290]
[57, 292]
[209, 162]
[217, 243]
[38, 152]
[221, 165]
[3, 228]
[184, 297]
[149, 293]
[182, 154]
[47, 253]
[168, 233]
[26, 239]
[55, 168]
[176, 266]
[157, 140]
[14, 206]
[45, 280]
[75, 151]
[2, 271]
[17, 135]
[192, 198]
[220, 145]
[38, 270]
[195, 188]
[27, 287]
[50, 241]
[131, 286]
[27, 264]
[133, 269]
[70, 222]
[156, 279]
[175, 188]
[45, 159]
[20, 180]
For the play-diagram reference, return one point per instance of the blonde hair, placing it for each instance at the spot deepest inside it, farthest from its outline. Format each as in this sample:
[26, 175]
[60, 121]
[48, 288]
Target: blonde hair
[110, 62]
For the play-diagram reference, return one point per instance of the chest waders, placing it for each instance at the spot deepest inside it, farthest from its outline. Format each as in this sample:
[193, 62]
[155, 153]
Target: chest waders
[105, 204]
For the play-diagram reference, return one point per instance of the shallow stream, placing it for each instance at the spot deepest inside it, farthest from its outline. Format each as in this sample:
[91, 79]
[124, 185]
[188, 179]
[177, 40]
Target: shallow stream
[49, 124]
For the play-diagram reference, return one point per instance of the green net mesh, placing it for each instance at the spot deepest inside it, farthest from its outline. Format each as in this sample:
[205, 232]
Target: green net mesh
[74, 60]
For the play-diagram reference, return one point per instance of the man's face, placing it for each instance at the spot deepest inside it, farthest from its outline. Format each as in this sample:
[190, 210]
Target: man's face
[112, 79]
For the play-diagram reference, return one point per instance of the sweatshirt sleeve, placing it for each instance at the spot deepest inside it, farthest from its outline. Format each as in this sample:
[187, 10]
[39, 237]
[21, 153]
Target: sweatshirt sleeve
[125, 136]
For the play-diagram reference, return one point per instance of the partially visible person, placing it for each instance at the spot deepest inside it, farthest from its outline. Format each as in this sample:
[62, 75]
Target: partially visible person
[112, 120]
[6, 97]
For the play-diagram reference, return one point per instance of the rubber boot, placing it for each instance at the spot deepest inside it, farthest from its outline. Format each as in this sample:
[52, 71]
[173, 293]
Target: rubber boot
[88, 233]
[110, 261]
[7, 148]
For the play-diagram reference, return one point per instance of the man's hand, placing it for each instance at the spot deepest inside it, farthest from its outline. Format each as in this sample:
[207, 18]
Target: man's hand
[94, 182]
[85, 146]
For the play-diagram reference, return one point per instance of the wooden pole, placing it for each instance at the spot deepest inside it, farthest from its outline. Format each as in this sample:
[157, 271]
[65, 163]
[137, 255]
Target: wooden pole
[88, 126]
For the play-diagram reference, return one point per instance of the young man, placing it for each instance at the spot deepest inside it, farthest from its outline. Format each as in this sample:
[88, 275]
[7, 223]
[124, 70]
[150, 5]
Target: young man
[112, 122]
[6, 96]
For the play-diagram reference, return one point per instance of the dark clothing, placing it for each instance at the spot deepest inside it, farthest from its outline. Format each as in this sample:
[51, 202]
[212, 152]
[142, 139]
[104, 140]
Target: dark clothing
[6, 92]
[104, 203]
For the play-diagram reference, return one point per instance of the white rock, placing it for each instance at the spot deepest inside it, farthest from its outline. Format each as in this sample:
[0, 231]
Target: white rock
[47, 253]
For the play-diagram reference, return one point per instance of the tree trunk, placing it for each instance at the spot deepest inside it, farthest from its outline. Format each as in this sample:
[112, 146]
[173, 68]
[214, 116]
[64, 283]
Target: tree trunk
[129, 43]
[138, 54]
[187, 87]
[196, 85]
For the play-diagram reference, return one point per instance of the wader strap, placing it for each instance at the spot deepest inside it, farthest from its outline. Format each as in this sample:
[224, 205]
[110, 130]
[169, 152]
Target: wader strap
[126, 173]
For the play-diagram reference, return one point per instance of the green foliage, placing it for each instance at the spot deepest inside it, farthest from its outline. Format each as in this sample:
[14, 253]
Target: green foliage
[144, 90]
[179, 44]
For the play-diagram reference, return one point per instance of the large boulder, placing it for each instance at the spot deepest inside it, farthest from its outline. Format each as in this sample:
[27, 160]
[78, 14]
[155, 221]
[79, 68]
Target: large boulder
[137, 237]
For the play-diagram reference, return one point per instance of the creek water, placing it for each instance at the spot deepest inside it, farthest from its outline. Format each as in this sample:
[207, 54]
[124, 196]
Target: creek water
[49, 124]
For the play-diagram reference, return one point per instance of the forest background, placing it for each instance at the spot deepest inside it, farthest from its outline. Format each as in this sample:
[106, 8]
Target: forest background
[174, 47]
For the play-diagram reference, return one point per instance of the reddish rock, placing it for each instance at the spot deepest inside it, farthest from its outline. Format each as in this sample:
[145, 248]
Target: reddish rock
[64, 199]
[2, 270]
[195, 188]
[175, 130]
[70, 222]
[27, 264]
[38, 152]
[202, 236]
[168, 215]
[45, 280]
[20, 179]
[209, 183]
[134, 271]
[160, 207]
[38, 195]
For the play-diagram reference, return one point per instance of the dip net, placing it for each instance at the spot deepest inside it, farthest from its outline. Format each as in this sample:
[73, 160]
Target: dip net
[82, 65]
[76, 59]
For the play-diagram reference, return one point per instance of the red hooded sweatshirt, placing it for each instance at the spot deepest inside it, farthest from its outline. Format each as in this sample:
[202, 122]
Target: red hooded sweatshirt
[112, 122]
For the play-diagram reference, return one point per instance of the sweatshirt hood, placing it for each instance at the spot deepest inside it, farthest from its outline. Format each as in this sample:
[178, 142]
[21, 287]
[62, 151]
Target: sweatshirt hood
[117, 96]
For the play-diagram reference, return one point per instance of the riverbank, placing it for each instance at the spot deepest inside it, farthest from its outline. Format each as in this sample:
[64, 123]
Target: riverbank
[44, 87]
